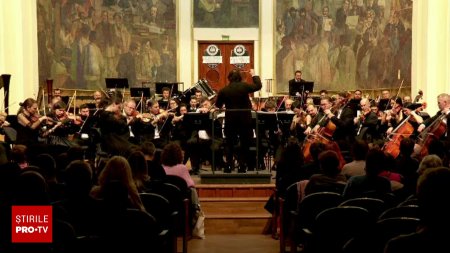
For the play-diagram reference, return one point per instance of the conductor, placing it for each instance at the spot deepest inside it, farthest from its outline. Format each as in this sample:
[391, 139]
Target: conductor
[238, 118]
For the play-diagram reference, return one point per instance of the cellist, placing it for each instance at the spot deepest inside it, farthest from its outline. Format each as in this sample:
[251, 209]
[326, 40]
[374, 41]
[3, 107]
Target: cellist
[342, 116]
[438, 123]
[444, 108]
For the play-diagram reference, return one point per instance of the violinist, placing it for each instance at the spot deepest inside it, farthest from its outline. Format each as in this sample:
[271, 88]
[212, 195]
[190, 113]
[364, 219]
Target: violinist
[113, 126]
[29, 122]
[299, 123]
[159, 119]
[288, 105]
[366, 123]
[130, 113]
[59, 126]
[180, 132]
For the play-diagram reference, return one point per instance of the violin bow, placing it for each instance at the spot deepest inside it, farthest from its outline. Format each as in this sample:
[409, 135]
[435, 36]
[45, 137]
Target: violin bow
[396, 96]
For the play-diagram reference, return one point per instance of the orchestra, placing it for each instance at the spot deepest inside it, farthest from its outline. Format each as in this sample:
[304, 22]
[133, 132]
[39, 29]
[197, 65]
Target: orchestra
[117, 125]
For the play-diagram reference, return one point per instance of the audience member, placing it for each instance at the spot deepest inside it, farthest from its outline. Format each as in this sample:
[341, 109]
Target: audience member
[433, 193]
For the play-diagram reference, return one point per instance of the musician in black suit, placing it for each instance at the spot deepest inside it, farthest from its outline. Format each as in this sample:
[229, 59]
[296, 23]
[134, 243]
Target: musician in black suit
[294, 82]
[238, 119]
[342, 115]
[444, 109]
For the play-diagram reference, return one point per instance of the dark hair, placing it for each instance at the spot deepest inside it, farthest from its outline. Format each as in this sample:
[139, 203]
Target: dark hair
[315, 149]
[433, 192]
[148, 148]
[375, 162]
[59, 105]
[172, 154]
[329, 162]
[406, 146]
[78, 178]
[83, 106]
[359, 149]
[234, 76]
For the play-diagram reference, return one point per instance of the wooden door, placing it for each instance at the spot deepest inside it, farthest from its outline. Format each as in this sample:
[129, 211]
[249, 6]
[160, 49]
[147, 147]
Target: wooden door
[217, 58]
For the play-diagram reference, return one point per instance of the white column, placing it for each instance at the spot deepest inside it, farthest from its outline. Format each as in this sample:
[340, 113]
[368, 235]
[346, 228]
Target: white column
[431, 50]
[18, 49]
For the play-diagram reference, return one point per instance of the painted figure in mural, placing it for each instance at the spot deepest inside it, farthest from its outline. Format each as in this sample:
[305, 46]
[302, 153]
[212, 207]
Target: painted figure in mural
[126, 68]
[107, 41]
[93, 63]
[208, 9]
[150, 60]
[285, 63]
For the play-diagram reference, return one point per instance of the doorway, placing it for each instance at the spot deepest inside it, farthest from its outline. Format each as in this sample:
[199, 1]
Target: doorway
[217, 58]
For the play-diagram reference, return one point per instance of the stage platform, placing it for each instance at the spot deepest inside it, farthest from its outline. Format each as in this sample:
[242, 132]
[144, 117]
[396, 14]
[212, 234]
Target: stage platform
[250, 177]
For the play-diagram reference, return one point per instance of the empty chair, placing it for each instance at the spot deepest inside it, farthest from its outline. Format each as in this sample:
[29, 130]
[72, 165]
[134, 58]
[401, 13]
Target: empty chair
[389, 198]
[160, 208]
[374, 206]
[309, 207]
[287, 211]
[334, 226]
[411, 211]
[132, 231]
[384, 230]
[178, 203]
[412, 200]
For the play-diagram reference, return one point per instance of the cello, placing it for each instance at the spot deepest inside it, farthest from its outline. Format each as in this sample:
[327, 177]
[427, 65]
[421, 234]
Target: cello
[403, 130]
[431, 133]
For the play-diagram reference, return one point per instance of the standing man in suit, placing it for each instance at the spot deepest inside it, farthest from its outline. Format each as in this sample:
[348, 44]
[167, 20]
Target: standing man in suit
[238, 118]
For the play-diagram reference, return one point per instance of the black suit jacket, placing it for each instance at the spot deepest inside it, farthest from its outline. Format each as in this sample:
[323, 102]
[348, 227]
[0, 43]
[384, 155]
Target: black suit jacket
[345, 128]
[292, 84]
[235, 96]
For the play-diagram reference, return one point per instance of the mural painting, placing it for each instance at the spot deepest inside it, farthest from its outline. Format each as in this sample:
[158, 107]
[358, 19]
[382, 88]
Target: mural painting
[226, 13]
[82, 42]
[344, 44]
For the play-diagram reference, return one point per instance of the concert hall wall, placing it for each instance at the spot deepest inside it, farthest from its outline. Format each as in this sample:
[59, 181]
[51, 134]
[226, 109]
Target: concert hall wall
[80, 42]
[345, 44]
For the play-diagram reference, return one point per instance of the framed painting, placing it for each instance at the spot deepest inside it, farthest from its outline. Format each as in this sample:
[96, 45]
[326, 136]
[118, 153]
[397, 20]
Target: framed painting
[82, 42]
[344, 45]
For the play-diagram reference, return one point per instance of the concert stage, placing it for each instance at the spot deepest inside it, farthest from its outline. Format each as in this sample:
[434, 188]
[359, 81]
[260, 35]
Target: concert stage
[250, 177]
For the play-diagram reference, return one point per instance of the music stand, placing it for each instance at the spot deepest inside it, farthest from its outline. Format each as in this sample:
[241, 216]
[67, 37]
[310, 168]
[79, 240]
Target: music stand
[197, 120]
[299, 89]
[116, 83]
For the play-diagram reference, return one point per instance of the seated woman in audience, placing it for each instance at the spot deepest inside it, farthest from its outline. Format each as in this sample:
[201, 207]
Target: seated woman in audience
[289, 167]
[114, 180]
[172, 162]
[139, 170]
[330, 179]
